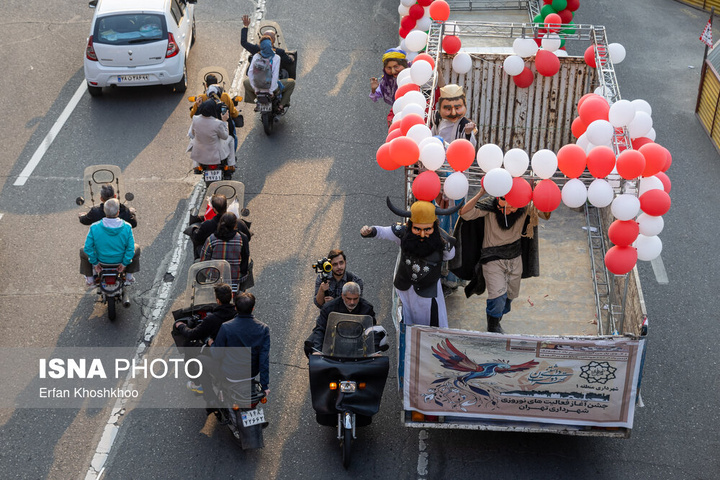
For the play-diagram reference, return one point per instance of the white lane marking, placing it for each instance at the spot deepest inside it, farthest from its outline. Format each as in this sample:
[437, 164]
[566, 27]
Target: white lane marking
[1, 215]
[422, 464]
[660, 273]
[112, 426]
[50, 137]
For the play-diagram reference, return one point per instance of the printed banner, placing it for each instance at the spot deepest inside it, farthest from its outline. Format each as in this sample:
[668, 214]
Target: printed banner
[534, 379]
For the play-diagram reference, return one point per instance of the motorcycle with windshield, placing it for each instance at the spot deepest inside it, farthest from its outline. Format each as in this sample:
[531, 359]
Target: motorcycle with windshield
[348, 377]
[110, 283]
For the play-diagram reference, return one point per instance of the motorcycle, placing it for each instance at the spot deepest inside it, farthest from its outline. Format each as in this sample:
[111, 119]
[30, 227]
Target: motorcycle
[222, 171]
[240, 402]
[266, 103]
[111, 285]
[348, 377]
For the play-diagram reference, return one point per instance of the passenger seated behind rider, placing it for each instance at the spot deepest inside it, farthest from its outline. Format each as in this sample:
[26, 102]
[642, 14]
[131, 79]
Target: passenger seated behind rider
[211, 142]
[215, 92]
[97, 213]
[228, 244]
[349, 302]
[264, 73]
[110, 241]
[218, 204]
[210, 325]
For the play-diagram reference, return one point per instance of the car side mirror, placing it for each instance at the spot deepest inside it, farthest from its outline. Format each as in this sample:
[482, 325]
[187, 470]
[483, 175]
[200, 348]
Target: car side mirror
[129, 197]
[92, 3]
[192, 1]
[80, 201]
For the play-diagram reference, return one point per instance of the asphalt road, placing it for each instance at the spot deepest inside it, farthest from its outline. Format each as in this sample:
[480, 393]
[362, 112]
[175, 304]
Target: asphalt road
[309, 189]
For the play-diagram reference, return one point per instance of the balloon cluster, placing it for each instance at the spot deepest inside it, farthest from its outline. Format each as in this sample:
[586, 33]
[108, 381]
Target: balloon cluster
[639, 218]
[564, 9]
[416, 17]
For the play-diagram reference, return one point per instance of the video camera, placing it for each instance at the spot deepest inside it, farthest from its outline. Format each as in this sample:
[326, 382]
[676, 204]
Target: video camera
[323, 267]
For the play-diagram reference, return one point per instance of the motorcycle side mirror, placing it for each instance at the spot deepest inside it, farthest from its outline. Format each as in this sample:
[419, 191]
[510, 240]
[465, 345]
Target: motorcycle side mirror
[80, 201]
[191, 99]
[237, 99]
[192, 1]
[244, 212]
[129, 197]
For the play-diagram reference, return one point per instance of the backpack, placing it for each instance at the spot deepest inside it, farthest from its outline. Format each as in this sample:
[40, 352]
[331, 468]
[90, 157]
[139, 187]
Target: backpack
[262, 72]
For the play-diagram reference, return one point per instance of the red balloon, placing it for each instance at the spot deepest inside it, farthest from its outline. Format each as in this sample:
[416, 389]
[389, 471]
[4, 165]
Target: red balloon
[426, 186]
[394, 133]
[424, 3]
[524, 79]
[409, 120]
[416, 12]
[668, 161]
[655, 202]
[566, 15]
[585, 97]
[578, 127]
[394, 126]
[547, 63]
[667, 185]
[639, 142]
[546, 196]
[403, 89]
[553, 21]
[451, 44]
[407, 22]
[404, 151]
[460, 154]
[520, 194]
[403, 32]
[655, 158]
[594, 108]
[547, 2]
[425, 56]
[623, 232]
[572, 160]
[620, 260]
[630, 164]
[384, 159]
[439, 11]
[601, 161]
[573, 5]
[590, 56]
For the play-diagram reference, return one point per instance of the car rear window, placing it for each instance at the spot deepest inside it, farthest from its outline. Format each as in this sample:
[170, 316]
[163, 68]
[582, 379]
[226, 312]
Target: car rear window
[129, 29]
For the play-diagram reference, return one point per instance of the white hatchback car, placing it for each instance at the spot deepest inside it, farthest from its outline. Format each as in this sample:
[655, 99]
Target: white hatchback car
[139, 42]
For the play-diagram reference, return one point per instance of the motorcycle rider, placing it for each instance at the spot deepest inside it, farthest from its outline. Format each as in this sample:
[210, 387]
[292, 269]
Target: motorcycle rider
[97, 213]
[211, 142]
[215, 92]
[263, 76]
[210, 325]
[110, 241]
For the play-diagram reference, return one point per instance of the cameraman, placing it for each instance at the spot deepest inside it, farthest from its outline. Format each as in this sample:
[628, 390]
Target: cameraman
[329, 286]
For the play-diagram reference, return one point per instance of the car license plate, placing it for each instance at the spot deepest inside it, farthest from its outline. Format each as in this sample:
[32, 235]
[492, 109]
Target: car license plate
[133, 78]
[213, 175]
[253, 417]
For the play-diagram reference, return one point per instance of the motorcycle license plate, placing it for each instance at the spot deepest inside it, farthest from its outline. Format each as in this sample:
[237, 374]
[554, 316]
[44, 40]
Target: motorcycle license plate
[133, 78]
[265, 107]
[213, 175]
[253, 417]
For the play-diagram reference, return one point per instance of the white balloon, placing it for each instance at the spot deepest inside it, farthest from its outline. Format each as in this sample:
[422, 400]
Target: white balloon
[561, 53]
[420, 72]
[416, 40]
[651, 134]
[399, 116]
[621, 113]
[402, 45]
[428, 141]
[403, 10]
[625, 206]
[514, 65]
[648, 248]
[404, 80]
[601, 90]
[456, 186]
[617, 52]
[650, 225]
[413, 108]
[418, 132]
[489, 156]
[403, 74]
[525, 47]
[411, 56]
[590, 146]
[641, 124]
[574, 193]
[462, 63]
[551, 42]
[498, 182]
[408, 3]
[516, 161]
[424, 24]
[432, 155]
[600, 132]
[582, 141]
[642, 106]
[398, 106]
[414, 97]
[600, 193]
[544, 163]
[650, 183]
